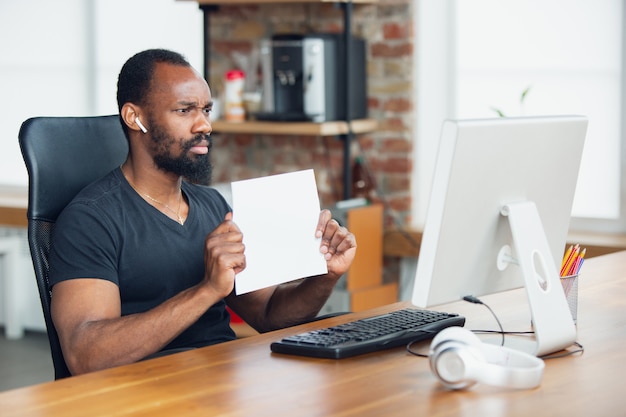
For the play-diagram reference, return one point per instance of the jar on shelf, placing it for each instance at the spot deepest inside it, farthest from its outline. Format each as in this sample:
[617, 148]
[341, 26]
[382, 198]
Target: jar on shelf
[234, 110]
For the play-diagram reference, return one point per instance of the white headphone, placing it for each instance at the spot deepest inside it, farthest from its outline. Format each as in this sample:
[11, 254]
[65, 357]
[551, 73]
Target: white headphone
[141, 126]
[459, 359]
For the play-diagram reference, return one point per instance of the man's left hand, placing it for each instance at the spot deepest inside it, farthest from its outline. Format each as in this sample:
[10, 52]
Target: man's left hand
[338, 244]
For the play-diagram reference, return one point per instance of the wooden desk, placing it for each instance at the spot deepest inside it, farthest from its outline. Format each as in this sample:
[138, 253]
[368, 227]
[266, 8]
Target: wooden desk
[242, 378]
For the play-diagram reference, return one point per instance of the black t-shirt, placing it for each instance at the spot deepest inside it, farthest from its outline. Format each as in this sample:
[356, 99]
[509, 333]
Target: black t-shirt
[110, 232]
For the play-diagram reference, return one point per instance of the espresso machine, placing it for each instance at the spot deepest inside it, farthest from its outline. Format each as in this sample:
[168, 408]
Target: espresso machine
[304, 78]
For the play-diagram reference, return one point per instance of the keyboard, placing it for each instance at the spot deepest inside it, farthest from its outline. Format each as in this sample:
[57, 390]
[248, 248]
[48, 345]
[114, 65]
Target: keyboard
[367, 335]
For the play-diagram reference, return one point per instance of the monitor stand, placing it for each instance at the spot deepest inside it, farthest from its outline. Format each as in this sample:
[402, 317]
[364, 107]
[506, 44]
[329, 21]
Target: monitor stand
[551, 317]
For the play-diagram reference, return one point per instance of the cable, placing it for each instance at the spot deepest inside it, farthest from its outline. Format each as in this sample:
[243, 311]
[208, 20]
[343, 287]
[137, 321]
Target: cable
[409, 347]
[511, 332]
[472, 299]
[475, 300]
[580, 350]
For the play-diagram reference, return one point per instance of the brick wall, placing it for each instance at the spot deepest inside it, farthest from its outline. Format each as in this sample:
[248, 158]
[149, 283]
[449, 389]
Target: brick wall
[388, 28]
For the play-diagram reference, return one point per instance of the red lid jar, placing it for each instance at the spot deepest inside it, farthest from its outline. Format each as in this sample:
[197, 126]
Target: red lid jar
[233, 98]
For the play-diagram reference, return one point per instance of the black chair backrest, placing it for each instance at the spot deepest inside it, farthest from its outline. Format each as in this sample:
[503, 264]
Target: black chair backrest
[62, 156]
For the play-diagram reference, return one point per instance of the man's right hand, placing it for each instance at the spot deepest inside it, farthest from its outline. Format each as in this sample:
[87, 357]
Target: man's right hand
[224, 256]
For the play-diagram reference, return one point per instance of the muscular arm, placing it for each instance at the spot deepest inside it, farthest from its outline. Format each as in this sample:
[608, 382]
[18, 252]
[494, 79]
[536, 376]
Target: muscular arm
[93, 334]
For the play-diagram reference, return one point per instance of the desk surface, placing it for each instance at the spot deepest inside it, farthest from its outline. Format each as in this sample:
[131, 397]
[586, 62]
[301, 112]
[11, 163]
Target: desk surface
[243, 378]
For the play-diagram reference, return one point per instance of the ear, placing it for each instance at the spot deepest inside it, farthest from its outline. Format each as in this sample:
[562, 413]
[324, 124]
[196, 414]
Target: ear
[129, 113]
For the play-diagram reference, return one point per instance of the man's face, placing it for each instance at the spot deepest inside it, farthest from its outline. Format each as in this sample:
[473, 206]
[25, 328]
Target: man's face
[175, 155]
[180, 102]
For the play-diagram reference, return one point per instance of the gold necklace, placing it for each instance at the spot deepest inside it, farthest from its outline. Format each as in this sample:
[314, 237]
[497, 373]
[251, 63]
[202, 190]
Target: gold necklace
[149, 197]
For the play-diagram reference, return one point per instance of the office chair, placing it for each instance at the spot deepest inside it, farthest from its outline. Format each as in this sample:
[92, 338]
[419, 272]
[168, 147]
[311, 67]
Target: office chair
[62, 155]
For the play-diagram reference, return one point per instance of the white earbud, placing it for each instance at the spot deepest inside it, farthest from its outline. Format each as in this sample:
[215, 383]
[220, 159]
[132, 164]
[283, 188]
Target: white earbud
[141, 126]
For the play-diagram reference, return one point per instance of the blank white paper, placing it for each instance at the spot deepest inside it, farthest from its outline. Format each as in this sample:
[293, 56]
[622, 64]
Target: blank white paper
[278, 215]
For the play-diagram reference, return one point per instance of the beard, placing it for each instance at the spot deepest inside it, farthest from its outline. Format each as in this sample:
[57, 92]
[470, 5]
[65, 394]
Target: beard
[196, 169]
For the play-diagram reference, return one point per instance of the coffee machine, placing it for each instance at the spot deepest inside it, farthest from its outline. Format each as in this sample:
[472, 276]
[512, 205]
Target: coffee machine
[304, 78]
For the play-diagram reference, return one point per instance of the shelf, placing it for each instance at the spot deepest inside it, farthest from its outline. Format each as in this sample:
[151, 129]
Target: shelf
[346, 128]
[13, 205]
[295, 128]
[231, 2]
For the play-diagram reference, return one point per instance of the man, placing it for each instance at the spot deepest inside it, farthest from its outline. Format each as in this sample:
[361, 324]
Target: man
[144, 260]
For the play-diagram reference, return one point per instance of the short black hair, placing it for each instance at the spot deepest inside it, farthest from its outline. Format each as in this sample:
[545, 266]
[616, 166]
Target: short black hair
[133, 82]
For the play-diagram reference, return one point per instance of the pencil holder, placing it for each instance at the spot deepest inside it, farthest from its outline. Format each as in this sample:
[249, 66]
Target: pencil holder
[570, 287]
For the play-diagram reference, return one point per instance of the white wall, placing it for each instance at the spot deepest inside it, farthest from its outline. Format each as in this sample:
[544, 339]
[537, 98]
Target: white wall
[575, 69]
[475, 55]
[435, 93]
[62, 57]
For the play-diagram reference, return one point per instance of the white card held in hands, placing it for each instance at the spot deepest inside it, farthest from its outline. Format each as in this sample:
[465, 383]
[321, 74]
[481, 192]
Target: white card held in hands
[278, 217]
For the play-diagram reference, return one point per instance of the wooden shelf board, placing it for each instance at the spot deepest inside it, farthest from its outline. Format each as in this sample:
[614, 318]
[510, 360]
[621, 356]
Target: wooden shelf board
[13, 216]
[231, 2]
[13, 204]
[294, 128]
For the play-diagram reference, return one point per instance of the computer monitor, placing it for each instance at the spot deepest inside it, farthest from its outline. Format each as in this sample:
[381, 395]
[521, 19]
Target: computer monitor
[499, 214]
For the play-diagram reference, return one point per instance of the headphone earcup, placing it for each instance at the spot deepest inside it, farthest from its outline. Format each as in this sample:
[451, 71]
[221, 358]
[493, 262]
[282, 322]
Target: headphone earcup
[454, 357]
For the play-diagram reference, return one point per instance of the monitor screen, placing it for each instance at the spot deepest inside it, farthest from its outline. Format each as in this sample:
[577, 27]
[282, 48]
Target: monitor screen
[482, 167]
